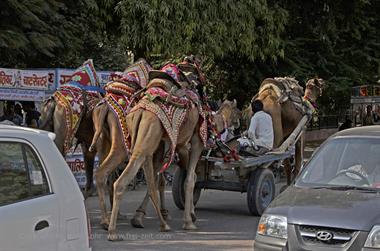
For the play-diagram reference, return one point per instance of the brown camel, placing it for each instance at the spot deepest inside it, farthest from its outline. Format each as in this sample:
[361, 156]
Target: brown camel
[286, 111]
[108, 136]
[147, 133]
[53, 119]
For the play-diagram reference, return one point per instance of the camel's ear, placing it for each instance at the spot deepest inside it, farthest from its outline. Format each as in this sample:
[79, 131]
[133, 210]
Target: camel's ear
[316, 82]
[234, 103]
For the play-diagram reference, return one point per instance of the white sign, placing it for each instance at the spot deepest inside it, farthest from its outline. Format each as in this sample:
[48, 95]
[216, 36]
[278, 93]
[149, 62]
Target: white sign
[22, 95]
[37, 79]
[76, 164]
[64, 76]
[8, 78]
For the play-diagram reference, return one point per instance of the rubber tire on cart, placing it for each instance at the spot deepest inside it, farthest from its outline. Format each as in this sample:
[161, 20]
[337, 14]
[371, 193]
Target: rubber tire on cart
[260, 191]
[178, 189]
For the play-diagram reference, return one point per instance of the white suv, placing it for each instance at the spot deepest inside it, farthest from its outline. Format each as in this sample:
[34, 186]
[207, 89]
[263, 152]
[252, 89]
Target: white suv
[41, 206]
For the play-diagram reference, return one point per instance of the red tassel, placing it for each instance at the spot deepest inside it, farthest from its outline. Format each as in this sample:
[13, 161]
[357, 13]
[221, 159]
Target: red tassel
[164, 167]
[235, 155]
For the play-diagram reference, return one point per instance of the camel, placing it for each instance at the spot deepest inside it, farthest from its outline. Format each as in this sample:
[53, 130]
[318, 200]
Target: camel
[147, 134]
[107, 141]
[286, 111]
[53, 119]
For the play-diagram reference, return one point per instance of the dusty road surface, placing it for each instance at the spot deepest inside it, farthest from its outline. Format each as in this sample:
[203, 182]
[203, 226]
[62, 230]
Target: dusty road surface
[223, 224]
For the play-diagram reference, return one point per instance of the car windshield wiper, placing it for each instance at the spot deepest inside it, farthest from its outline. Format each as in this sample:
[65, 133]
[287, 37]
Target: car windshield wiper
[344, 188]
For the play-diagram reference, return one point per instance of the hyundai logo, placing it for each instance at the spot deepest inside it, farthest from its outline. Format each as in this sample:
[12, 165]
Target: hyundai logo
[324, 236]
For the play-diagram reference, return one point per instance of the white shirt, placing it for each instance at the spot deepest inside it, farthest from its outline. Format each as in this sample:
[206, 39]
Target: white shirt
[261, 130]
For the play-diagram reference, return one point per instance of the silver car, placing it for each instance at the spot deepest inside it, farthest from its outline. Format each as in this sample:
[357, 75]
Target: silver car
[334, 204]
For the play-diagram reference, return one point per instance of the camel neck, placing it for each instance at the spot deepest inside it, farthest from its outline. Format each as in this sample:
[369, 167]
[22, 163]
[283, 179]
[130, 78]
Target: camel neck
[311, 101]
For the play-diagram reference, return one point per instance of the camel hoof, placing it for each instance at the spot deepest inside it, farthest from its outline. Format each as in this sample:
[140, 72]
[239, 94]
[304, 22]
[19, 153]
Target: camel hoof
[137, 222]
[193, 217]
[165, 228]
[189, 226]
[104, 225]
[113, 236]
[88, 193]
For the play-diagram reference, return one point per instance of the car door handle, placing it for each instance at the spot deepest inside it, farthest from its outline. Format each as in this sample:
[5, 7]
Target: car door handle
[41, 225]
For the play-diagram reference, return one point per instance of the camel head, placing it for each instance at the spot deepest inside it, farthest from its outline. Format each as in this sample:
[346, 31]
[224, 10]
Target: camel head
[314, 88]
[228, 116]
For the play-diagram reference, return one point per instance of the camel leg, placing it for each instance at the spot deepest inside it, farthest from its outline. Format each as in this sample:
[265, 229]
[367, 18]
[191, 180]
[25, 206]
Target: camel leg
[137, 220]
[89, 159]
[161, 189]
[183, 153]
[120, 185]
[288, 171]
[99, 117]
[114, 158]
[195, 153]
[152, 188]
[60, 129]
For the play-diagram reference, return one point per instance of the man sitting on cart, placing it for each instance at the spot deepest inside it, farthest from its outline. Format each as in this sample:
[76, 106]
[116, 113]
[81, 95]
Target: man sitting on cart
[260, 133]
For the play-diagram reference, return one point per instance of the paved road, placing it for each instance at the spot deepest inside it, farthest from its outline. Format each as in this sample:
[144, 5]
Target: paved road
[223, 224]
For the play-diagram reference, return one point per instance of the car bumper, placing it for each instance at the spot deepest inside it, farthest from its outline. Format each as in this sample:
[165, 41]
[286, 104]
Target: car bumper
[294, 242]
[264, 243]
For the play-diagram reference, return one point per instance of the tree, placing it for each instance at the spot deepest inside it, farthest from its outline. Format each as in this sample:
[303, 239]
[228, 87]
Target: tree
[57, 33]
[337, 40]
[212, 28]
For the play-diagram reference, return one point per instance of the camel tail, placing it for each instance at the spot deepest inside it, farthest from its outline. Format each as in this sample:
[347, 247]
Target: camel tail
[47, 115]
[99, 117]
[135, 126]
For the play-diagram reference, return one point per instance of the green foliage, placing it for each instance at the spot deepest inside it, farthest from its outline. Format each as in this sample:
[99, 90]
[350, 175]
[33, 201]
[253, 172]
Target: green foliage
[57, 33]
[212, 28]
[241, 42]
[337, 40]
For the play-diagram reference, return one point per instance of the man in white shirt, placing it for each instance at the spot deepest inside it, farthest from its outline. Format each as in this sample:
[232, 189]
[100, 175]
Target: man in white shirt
[260, 133]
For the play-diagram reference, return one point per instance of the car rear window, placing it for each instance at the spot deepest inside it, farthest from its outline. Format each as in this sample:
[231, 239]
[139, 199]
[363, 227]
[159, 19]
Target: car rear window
[21, 173]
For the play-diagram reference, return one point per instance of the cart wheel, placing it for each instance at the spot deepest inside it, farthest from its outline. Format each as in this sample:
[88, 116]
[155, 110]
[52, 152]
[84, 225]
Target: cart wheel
[178, 189]
[261, 190]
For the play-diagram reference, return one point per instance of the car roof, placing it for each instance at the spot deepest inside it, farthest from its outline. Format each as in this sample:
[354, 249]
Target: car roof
[18, 131]
[365, 131]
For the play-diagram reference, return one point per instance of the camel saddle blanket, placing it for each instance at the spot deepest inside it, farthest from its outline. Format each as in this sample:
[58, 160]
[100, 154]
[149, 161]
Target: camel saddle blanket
[140, 69]
[154, 93]
[75, 101]
[120, 106]
[190, 98]
[171, 117]
[121, 88]
[168, 87]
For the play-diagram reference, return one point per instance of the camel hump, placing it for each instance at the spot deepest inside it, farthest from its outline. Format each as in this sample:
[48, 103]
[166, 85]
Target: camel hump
[270, 83]
[122, 88]
[291, 86]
